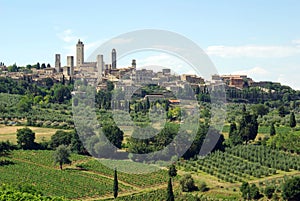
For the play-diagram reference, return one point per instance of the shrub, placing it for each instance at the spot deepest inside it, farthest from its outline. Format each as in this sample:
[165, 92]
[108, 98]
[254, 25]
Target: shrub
[187, 183]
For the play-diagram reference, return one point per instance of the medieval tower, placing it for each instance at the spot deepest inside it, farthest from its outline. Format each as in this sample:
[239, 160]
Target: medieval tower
[57, 63]
[113, 59]
[70, 64]
[79, 53]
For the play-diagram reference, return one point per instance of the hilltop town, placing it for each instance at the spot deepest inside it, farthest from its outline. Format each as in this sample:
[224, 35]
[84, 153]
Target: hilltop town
[99, 72]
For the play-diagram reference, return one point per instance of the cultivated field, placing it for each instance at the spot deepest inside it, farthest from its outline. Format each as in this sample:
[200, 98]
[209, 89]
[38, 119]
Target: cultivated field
[9, 133]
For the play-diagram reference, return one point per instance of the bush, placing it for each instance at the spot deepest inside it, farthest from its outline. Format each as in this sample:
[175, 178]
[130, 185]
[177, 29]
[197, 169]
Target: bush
[291, 189]
[269, 191]
[187, 183]
[202, 186]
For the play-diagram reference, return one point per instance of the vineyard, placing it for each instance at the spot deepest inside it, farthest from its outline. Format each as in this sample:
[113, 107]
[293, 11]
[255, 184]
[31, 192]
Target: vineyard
[37, 168]
[243, 163]
[138, 180]
[85, 178]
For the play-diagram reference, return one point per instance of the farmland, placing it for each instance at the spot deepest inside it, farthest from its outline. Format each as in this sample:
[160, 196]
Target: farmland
[41, 134]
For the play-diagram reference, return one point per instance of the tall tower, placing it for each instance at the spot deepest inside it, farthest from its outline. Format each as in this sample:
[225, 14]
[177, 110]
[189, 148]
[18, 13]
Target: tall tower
[113, 59]
[133, 64]
[79, 53]
[100, 66]
[70, 63]
[57, 63]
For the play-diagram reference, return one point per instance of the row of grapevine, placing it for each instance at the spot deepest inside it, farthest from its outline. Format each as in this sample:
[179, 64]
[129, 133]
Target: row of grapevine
[228, 167]
[267, 157]
[140, 180]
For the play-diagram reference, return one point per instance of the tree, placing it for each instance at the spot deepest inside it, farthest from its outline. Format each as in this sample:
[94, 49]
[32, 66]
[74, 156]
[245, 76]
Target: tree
[245, 190]
[13, 68]
[62, 155]
[272, 130]
[248, 126]
[269, 191]
[281, 111]
[113, 134]
[249, 192]
[48, 82]
[187, 183]
[28, 66]
[25, 138]
[24, 105]
[76, 144]
[61, 93]
[172, 171]
[291, 189]
[292, 120]
[254, 192]
[5, 147]
[234, 137]
[38, 66]
[60, 138]
[43, 66]
[116, 187]
[48, 65]
[170, 194]
[260, 109]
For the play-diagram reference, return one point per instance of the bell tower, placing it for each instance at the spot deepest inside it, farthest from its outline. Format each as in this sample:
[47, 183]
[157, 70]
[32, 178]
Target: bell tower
[79, 53]
[114, 59]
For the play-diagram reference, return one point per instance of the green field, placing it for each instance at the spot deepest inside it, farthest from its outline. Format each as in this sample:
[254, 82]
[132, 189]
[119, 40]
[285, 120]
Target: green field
[88, 179]
[91, 181]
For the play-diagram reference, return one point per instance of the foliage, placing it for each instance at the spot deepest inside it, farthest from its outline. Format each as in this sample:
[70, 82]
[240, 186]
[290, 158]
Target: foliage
[62, 155]
[172, 171]
[60, 138]
[116, 186]
[187, 183]
[114, 134]
[25, 138]
[5, 147]
[36, 168]
[137, 177]
[288, 142]
[249, 191]
[25, 192]
[269, 191]
[248, 127]
[292, 120]
[170, 194]
[267, 157]
[291, 189]
[272, 130]
[260, 109]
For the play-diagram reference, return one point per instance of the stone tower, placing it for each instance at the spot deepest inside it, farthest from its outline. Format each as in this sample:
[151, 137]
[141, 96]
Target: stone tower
[57, 63]
[70, 63]
[100, 66]
[133, 64]
[79, 53]
[113, 59]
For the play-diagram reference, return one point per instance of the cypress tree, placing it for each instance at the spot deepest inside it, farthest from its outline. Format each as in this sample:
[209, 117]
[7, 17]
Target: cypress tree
[272, 130]
[292, 120]
[170, 195]
[172, 171]
[116, 187]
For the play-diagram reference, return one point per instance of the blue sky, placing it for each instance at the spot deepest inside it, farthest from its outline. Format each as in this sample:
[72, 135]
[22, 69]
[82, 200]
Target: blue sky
[258, 38]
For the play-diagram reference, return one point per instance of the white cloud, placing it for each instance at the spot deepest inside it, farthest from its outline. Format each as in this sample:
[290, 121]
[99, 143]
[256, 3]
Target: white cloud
[166, 61]
[253, 51]
[118, 41]
[290, 79]
[253, 71]
[67, 36]
[257, 73]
